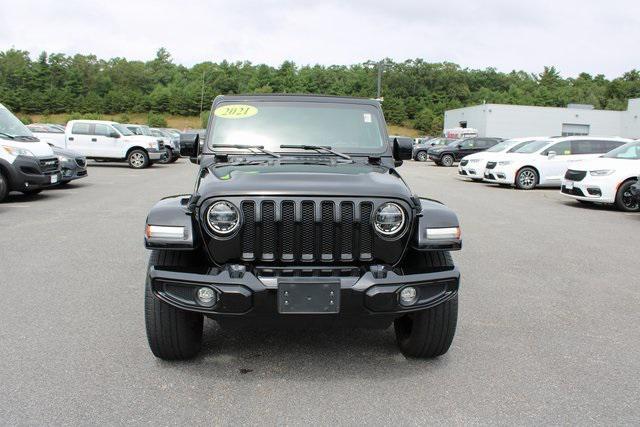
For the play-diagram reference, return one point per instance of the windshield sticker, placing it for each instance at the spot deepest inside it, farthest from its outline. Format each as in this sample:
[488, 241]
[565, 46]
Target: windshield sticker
[367, 117]
[236, 111]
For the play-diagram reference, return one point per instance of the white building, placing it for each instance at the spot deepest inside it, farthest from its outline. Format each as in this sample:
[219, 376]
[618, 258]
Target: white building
[509, 121]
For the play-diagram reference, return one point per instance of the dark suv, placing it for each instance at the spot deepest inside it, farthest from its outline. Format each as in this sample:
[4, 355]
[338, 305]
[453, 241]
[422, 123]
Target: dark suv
[300, 217]
[446, 155]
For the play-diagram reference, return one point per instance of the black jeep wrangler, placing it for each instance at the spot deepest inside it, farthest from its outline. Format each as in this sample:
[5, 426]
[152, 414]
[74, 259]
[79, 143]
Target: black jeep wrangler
[299, 216]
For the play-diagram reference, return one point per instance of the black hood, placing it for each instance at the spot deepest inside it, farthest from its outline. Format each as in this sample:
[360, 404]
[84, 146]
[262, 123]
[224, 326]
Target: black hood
[302, 179]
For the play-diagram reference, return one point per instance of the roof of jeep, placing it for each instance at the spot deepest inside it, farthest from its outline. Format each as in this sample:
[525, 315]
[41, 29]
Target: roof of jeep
[287, 97]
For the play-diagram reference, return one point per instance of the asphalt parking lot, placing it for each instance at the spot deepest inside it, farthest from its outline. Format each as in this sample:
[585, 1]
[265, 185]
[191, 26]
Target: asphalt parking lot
[547, 334]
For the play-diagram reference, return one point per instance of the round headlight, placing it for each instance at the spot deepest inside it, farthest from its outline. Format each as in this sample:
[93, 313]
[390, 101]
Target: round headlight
[389, 219]
[223, 218]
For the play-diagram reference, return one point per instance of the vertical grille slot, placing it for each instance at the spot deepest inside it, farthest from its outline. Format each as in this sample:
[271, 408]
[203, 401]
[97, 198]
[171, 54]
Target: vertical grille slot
[308, 235]
[366, 238]
[326, 246]
[248, 230]
[288, 231]
[346, 225]
[268, 231]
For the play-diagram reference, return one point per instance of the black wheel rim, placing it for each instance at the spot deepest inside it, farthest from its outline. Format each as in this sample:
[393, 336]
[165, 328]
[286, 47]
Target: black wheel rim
[628, 200]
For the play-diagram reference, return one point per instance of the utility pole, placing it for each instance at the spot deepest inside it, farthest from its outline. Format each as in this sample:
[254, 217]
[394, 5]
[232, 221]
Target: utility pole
[379, 79]
[202, 94]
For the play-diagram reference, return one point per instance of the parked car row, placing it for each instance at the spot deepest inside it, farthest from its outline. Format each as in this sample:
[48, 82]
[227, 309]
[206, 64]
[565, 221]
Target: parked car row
[42, 155]
[30, 165]
[588, 169]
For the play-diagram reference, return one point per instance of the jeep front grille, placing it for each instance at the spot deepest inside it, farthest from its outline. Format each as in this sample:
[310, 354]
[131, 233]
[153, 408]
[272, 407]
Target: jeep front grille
[306, 231]
[49, 165]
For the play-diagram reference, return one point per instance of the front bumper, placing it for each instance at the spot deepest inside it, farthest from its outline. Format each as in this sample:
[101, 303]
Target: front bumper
[594, 189]
[473, 170]
[249, 295]
[155, 154]
[499, 176]
[27, 174]
[73, 169]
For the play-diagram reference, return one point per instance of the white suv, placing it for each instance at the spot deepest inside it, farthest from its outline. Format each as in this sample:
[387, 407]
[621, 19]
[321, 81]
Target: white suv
[543, 162]
[606, 179]
[105, 140]
[473, 165]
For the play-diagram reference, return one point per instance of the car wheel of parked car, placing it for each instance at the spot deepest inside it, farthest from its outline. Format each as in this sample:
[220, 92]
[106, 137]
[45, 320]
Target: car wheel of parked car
[624, 198]
[422, 156]
[168, 155]
[173, 334]
[526, 179]
[429, 333]
[4, 187]
[138, 159]
[447, 160]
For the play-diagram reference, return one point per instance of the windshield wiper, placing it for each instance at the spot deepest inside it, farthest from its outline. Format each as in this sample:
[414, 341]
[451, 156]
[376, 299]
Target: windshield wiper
[7, 135]
[247, 147]
[320, 148]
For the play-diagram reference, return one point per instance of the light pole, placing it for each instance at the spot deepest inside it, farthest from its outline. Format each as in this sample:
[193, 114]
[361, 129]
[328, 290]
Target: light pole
[379, 80]
[202, 93]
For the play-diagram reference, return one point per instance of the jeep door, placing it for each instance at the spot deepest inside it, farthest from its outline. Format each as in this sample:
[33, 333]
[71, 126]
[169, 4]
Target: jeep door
[465, 148]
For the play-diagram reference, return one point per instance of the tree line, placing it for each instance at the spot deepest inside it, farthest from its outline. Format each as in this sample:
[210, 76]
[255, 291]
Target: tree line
[416, 93]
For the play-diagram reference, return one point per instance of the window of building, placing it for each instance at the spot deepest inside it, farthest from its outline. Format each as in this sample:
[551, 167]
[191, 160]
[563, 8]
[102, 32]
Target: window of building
[571, 129]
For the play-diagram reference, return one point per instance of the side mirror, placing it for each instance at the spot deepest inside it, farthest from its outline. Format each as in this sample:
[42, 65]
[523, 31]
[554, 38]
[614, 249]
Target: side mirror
[114, 135]
[459, 145]
[189, 144]
[402, 150]
[551, 154]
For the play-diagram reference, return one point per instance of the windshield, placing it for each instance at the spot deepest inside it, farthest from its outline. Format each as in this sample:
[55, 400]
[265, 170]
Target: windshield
[501, 146]
[122, 129]
[630, 151]
[344, 127]
[438, 141]
[529, 147]
[10, 125]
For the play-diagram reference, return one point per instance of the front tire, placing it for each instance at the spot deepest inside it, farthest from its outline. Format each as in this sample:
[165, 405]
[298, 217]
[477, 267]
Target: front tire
[625, 200]
[429, 333]
[4, 187]
[422, 156]
[526, 179]
[138, 159]
[168, 155]
[447, 160]
[173, 334]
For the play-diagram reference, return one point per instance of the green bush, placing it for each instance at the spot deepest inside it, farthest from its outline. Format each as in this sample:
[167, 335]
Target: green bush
[156, 120]
[25, 119]
[84, 116]
[123, 118]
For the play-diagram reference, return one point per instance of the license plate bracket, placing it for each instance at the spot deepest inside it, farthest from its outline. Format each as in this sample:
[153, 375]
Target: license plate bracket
[312, 297]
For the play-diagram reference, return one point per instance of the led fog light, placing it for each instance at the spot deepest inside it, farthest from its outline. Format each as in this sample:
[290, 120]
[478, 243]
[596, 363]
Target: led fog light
[206, 296]
[408, 295]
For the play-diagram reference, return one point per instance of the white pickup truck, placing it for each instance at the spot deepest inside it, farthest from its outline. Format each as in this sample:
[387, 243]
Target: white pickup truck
[106, 140]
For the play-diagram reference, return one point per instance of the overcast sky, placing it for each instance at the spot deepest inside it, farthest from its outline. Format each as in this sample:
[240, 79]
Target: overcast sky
[595, 36]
